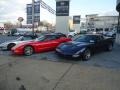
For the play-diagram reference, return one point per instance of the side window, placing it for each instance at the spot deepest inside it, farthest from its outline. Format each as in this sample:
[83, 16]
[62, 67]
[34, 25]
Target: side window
[27, 38]
[63, 35]
[99, 38]
[50, 38]
[58, 37]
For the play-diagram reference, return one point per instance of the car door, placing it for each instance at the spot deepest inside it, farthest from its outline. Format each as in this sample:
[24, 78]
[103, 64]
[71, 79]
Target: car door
[99, 43]
[48, 44]
[63, 39]
[53, 43]
[57, 40]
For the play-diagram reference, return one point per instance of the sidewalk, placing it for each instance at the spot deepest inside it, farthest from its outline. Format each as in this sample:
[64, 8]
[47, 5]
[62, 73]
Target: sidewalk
[46, 75]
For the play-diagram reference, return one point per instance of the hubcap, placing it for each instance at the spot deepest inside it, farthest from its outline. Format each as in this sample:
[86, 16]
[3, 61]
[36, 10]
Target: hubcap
[28, 50]
[87, 54]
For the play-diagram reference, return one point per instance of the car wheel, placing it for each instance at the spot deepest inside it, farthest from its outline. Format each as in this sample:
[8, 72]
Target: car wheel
[86, 55]
[110, 47]
[28, 50]
[9, 47]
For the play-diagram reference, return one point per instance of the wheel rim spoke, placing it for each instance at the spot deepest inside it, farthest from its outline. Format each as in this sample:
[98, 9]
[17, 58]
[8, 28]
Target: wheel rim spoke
[87, 55]
[28, 51]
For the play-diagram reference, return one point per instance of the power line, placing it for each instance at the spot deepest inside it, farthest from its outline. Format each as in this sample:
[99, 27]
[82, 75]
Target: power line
[47, 7]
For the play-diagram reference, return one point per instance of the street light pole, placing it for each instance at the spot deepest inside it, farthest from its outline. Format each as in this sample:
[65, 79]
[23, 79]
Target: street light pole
[33, 17]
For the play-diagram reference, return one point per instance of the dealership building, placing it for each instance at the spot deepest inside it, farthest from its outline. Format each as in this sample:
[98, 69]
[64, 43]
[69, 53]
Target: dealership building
[95, 22]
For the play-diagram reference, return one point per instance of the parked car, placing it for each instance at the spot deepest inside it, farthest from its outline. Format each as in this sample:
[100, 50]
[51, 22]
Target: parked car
[72, 34]
[46, 42]
[16, 34]
[22, 33]
[9, 44]
[110, 33]
[30, 34]
[85, 45]
[83, 31]
[12, 32]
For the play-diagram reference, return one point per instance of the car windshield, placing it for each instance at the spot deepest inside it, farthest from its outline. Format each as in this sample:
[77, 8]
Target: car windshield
[41, 38]
[46, 38]
[23, 38]
[83, 38]
[20, 38]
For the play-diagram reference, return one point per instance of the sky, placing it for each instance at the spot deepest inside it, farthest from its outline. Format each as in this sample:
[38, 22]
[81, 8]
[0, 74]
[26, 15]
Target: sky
[10, 10]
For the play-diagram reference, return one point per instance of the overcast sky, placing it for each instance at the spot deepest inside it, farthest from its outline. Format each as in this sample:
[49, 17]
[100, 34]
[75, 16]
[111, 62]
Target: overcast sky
[10, 10]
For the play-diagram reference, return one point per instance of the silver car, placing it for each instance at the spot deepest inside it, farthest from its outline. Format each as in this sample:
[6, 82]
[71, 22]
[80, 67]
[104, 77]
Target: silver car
[9, 44]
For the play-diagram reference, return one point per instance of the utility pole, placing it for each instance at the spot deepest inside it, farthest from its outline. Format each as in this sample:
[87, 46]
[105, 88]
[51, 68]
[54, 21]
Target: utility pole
[33, 16]
[118, 26]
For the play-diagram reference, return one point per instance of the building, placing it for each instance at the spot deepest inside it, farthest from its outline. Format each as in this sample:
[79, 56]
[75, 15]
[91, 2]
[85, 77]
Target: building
[83, 24]
[118, 6]
[94, 22]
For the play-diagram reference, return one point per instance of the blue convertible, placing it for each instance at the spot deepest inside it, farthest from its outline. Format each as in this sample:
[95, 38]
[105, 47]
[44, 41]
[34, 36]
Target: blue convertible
[85, 45]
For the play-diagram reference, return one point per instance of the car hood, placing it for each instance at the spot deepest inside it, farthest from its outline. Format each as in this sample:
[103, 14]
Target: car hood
[73, 43]
[30, 42]
[7, 42]
[24, 43]
[13, 41]
[72, 46]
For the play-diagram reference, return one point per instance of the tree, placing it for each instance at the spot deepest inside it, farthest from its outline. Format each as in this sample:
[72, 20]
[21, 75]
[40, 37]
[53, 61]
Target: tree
[20, 19]
[8, 25]
[40, 23]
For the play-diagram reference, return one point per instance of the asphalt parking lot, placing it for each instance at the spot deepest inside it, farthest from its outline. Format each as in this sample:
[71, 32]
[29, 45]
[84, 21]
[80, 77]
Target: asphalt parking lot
[102, 59]
[47, 71]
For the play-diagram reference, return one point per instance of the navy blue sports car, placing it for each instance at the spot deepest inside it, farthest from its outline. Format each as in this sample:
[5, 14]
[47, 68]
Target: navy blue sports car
[85, 45]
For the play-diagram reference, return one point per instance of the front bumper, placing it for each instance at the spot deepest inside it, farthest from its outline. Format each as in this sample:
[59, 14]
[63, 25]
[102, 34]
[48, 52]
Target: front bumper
[17, 52]
[67, 54]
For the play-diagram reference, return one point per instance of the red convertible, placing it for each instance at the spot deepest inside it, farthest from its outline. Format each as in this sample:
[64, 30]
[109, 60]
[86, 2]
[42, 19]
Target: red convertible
[44, 43]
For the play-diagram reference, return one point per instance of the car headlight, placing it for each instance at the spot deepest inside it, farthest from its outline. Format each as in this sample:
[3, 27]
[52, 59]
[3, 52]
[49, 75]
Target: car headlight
[62, 44]
[80, 51]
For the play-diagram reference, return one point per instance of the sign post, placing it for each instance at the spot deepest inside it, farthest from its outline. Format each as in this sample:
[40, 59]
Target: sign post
[76, 23]
[33, 17]
[33, 13]
[62, 16]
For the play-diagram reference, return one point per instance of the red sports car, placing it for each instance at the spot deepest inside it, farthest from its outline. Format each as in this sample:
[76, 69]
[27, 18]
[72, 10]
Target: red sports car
[44, 43]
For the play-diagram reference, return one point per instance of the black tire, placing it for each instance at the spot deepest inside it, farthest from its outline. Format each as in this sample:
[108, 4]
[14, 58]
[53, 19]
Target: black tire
[109, 47]
[10, 46]
[28, 50]
[86, 55]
